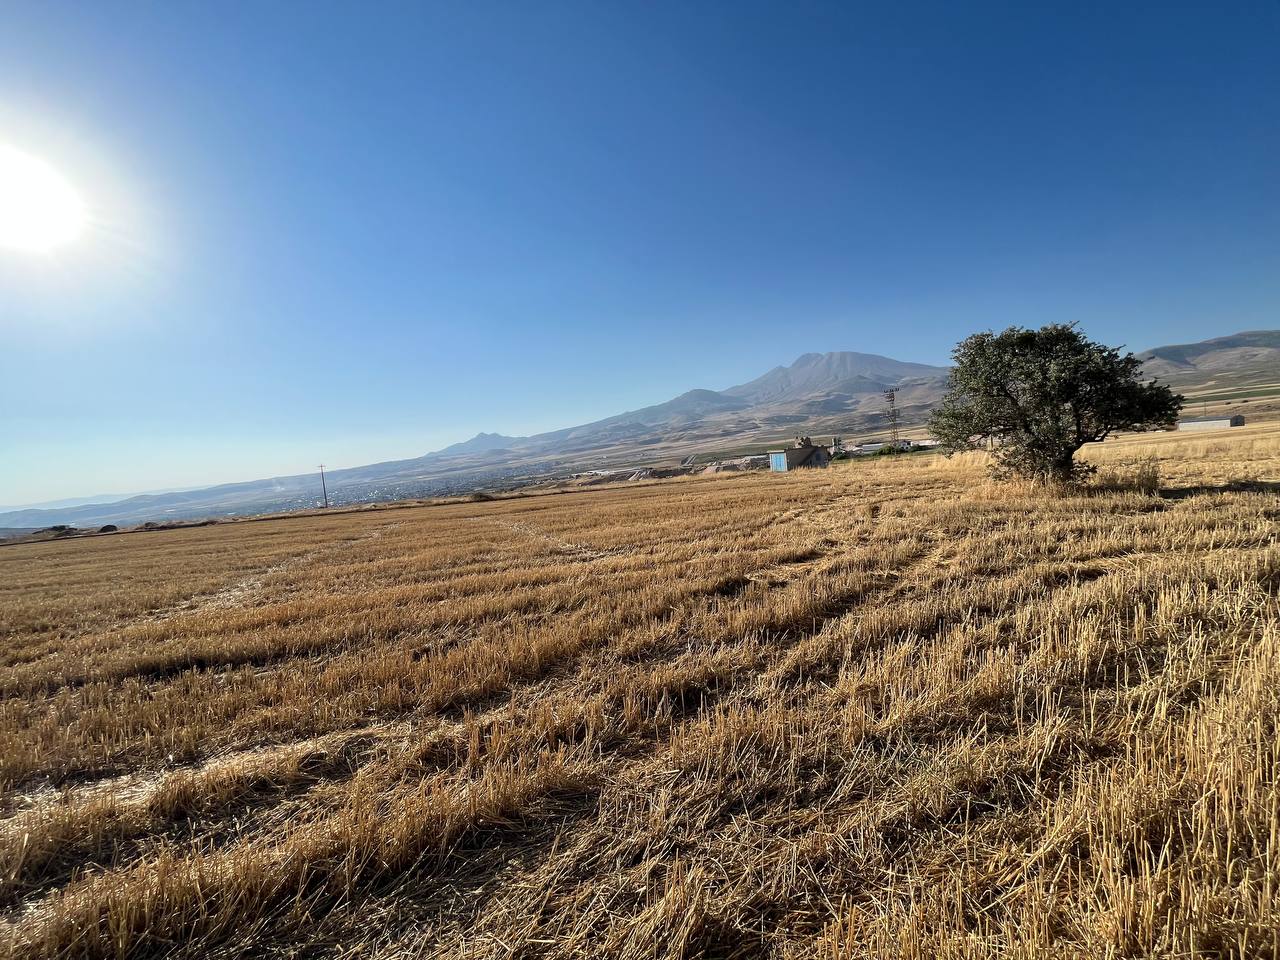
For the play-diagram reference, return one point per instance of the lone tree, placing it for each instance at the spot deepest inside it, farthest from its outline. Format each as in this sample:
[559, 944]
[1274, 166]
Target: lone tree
[1040, 395]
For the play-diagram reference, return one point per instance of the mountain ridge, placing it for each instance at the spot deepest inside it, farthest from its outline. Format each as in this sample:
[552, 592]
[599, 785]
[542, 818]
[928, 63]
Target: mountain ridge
[1237, 351]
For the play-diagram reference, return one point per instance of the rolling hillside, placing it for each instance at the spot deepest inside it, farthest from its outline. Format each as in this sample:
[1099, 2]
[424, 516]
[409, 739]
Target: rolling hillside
[1254, 351]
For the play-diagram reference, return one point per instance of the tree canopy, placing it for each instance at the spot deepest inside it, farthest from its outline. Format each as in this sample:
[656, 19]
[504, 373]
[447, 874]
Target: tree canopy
[1040, 395]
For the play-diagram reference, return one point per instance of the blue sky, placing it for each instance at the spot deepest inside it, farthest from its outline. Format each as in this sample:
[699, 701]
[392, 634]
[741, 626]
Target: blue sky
[352, 232]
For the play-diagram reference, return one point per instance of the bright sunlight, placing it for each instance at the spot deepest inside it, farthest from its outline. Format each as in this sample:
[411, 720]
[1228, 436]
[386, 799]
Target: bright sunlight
[39, 210]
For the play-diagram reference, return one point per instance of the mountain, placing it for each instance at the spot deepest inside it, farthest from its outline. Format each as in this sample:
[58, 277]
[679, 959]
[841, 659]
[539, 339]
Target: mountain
[99, 498]
[827, 373]
[818, 394]
[1253, 350]
[689, 405]
[480, 443]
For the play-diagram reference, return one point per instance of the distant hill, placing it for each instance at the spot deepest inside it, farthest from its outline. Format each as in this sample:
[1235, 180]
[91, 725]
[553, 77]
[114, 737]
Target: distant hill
[819, 394]
[1242, 352]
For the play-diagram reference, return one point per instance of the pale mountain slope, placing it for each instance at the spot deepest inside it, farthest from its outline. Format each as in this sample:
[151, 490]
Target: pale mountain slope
[1252, 350]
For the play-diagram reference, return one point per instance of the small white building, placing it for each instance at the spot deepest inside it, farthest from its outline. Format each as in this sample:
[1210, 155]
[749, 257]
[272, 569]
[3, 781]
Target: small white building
[1211, 423]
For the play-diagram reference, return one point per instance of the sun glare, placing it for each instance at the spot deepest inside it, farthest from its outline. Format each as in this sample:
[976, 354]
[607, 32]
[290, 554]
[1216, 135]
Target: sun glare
[39, 210]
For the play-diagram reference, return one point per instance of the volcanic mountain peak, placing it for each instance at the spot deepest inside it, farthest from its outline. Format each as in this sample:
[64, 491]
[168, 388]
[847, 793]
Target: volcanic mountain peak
[839, 372]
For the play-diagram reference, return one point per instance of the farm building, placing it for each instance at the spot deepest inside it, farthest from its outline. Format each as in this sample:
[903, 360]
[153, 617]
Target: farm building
[862, 449]
[1211, 423]
[802, 454]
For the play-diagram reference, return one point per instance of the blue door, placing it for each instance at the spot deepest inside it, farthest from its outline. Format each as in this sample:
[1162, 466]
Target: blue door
[778, 462]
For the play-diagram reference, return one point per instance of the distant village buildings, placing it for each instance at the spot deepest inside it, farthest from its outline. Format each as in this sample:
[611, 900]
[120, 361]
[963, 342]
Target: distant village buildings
[805, 453]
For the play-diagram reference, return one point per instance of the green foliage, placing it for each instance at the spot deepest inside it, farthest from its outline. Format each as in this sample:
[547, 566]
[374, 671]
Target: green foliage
[1038, 396]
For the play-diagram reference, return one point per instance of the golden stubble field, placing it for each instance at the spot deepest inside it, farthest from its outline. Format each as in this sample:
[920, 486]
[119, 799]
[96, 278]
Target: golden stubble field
[891, 709]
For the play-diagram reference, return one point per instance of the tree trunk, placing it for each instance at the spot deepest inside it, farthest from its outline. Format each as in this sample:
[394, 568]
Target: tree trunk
[1063, 468]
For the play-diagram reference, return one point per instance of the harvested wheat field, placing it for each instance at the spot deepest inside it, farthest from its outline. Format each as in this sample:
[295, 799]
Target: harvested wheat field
[891, 709]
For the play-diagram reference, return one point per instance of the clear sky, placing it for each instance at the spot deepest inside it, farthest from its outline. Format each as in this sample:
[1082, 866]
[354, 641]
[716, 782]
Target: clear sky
[361, 231]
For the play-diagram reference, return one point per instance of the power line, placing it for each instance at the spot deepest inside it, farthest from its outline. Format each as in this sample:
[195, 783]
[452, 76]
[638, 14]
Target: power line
[323, 488]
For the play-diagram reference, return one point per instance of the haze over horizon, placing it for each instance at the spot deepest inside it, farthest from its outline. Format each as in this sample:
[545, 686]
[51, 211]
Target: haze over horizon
[317, 234]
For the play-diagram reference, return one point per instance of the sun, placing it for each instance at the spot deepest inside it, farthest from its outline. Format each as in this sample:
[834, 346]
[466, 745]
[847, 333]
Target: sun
[39, 210]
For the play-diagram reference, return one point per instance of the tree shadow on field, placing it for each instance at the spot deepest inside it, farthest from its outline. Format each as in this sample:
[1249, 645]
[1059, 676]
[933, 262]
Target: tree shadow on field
[1231, 486]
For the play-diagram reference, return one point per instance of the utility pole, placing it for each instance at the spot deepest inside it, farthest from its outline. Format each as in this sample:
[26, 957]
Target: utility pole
[891, 411]
[323, 488]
